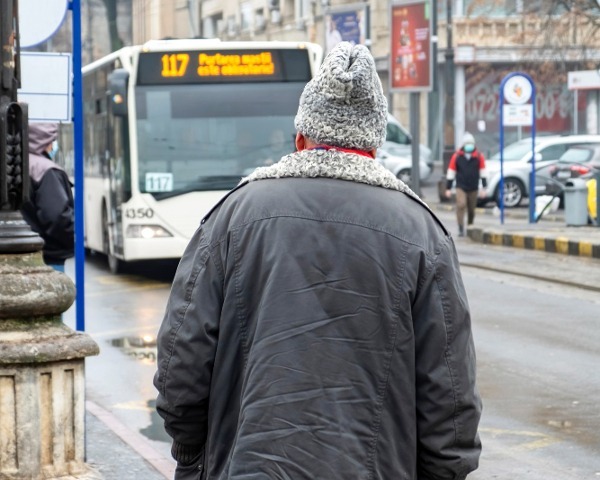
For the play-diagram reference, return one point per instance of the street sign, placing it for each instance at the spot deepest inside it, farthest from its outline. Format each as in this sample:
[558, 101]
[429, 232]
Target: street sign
[584, 80]
[517, 115]
[46, 86]
[518, 90]
[39, 20]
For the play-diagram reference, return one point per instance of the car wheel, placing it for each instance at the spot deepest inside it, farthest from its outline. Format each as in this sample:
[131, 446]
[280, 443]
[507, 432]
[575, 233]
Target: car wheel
[404, 175]
[514, 192]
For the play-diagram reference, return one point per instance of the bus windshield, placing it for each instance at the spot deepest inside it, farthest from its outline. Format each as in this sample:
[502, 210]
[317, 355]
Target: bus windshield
[207, 137]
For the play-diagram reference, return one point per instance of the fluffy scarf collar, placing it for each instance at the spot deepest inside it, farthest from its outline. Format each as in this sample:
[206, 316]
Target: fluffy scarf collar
[332, 164]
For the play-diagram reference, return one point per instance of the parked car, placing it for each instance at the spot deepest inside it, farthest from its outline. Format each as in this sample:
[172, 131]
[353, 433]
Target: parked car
[517, 165]
[396, 153]
[402, 166]
[579, 161]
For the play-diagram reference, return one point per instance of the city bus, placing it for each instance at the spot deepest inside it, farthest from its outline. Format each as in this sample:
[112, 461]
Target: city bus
[172, 125]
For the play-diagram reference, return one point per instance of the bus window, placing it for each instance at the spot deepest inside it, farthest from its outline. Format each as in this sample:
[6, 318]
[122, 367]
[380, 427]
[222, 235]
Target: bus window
[191, 137]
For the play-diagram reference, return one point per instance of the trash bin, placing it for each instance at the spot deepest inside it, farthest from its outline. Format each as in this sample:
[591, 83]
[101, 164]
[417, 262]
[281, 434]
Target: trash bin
[576, 208]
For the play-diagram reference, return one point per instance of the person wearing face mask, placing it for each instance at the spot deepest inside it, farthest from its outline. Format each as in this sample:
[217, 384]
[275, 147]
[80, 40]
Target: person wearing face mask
[49, 211]
[467, 169]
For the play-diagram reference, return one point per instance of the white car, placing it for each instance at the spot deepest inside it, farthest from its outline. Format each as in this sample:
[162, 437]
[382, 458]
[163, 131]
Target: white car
[401, 167]
[396, 153]
[398, 142]
[517, 165]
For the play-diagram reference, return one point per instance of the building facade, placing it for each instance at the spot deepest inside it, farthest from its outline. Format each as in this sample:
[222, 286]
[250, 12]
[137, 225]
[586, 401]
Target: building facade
[487, 38]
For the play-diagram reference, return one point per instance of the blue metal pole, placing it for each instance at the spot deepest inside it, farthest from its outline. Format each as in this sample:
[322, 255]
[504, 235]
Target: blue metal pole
[501, 185]
[532, 173]
[75, 6]
[532, 195]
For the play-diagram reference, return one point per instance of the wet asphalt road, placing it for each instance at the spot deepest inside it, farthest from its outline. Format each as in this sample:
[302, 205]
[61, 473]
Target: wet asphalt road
[537, 345]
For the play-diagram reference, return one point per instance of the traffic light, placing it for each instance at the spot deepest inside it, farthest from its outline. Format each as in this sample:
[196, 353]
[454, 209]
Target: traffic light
[14, 164]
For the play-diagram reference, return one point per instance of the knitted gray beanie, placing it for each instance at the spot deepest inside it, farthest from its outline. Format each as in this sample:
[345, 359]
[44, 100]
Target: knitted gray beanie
[344, 104]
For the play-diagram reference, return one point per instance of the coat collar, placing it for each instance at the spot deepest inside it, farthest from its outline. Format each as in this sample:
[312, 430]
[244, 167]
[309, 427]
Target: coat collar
[332, 164]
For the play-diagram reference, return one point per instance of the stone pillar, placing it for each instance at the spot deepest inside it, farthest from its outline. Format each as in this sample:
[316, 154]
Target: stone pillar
[42, 378]
[42, 382]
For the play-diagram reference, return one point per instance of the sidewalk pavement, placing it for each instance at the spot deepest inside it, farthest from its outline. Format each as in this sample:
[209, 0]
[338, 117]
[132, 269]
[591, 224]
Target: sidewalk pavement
[115, 452]
[550, 234]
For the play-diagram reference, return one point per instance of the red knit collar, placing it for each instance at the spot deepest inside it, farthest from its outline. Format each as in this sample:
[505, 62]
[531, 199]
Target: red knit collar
[345, 150]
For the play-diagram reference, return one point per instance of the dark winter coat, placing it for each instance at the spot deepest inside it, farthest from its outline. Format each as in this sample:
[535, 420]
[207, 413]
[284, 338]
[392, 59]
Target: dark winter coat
[467, 170]
[318, 328]
[49, 210]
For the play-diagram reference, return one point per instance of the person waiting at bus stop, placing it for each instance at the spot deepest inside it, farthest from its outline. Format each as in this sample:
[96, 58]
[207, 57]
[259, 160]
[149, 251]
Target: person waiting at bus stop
[318, 326]
[49, 211]
[467, 169]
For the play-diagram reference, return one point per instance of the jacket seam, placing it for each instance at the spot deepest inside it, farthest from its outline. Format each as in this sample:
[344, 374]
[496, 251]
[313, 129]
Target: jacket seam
[241, 310]
[384, 387]
[191, 283]
[447, 355]
[344, 221]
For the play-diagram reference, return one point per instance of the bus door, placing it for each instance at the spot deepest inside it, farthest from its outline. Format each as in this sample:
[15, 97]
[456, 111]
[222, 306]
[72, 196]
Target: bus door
[118, 169]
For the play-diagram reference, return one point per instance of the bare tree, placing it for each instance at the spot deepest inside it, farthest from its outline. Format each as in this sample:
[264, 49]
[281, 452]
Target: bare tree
[111, 15]
[555, 36]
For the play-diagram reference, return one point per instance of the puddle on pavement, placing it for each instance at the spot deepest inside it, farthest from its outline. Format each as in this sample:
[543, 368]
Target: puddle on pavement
[142, 347]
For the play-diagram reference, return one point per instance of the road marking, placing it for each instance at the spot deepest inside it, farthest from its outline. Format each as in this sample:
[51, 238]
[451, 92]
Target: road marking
[562, 245]
[539, 243]
[518, 241]
[137, 405]
[538, 440]
[140, 288]
[585, 249]
[496, 238]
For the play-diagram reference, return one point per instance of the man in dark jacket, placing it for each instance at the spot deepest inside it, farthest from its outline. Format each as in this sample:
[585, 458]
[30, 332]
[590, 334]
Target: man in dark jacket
[467, 169]
[318, 326]
[49, 210]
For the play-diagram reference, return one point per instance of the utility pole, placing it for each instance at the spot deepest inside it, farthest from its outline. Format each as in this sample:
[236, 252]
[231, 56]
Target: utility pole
[42, 360]
[449, 90]
[15, 234]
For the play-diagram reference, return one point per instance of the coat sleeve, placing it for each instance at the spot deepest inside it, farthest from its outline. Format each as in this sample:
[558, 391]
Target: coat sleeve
[55, 210]
[451, 172]
[186, 343]
[448, 403]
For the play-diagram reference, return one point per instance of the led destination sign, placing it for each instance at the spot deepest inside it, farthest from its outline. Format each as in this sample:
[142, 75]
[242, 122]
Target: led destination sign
[223, 66]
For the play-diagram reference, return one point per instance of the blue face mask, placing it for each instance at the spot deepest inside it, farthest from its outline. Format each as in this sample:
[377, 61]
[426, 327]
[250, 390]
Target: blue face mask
[52, 153]
[469, 148]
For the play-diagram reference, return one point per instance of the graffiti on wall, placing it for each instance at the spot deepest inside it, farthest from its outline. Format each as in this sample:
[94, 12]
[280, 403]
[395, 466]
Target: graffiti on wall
[553, 106]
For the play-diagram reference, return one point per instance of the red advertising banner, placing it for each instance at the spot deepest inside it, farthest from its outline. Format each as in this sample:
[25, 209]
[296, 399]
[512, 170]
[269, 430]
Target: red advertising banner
[410, 51]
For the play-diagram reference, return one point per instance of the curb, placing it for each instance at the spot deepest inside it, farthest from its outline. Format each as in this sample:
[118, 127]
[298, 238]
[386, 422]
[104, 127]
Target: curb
[531, 241]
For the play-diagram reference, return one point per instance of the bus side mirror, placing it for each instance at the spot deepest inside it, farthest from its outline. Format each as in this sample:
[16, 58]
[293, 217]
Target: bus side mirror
[117, 91]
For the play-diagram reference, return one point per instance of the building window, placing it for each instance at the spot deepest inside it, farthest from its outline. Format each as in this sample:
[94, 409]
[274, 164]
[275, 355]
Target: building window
[232, 26]
[302, 10]
[260, 22]
[247, 16]
[211, 25]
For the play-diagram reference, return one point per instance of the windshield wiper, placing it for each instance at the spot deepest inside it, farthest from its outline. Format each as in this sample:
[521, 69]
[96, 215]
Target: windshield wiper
[215, 182]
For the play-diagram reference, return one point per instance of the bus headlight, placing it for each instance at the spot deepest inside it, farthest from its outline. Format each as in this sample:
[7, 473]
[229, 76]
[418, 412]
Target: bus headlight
[146, 231]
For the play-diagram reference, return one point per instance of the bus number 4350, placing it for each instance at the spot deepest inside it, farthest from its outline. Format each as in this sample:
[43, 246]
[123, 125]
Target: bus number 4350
[139, 213]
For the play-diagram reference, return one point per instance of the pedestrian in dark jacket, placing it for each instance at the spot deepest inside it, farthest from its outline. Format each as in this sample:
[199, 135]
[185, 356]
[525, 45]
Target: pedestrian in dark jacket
[49, 210]
[318, 326]
[467, 169]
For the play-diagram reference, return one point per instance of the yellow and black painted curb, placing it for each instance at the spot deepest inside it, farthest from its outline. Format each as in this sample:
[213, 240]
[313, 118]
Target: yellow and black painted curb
[557, 244]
